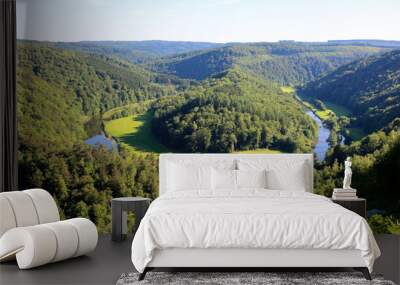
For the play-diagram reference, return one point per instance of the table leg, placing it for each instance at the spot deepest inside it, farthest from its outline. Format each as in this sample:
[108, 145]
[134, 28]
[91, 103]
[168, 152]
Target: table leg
[117, 221]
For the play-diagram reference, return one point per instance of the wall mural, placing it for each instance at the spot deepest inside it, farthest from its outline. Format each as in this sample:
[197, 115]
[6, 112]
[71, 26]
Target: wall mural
[94, 115]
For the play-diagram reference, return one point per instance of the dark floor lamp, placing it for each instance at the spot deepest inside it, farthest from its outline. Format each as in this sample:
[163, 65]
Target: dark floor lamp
[8, 120]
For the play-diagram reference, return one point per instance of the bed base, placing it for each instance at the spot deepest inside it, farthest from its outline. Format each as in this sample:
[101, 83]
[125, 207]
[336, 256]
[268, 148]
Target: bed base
[242, 259]
[363, 270]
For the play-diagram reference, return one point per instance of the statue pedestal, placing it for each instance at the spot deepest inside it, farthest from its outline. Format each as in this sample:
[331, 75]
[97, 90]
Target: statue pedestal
[342, 190]
[344, 194]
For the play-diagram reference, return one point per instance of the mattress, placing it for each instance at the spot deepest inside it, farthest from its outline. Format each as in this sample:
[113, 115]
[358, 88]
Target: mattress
[250, 219]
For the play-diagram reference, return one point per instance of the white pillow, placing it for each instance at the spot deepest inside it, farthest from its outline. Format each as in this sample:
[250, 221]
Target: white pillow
[251, 178]
[185, 178]
[282, 174]
[278, 180]
[224, 179]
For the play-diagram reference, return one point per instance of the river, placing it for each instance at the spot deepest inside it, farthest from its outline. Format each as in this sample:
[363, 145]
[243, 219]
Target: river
[101, 139]
[322, 145]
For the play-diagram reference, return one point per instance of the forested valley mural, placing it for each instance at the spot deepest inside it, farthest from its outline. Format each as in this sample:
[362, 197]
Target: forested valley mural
[93, 116]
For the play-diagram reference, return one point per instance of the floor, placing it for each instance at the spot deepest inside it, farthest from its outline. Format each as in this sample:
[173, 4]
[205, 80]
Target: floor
[389, 262]
[111, 259]
[103, 266]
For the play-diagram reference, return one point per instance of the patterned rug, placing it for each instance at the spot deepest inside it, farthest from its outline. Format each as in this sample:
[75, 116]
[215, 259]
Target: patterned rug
[243, 278]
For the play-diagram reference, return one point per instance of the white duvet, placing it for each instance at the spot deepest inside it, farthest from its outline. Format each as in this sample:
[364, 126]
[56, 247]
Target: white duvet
[250, 219]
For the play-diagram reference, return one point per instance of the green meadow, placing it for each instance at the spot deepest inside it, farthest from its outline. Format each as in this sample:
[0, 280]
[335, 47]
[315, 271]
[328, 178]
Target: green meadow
[324, 114]
[135, 133]
[287, 89]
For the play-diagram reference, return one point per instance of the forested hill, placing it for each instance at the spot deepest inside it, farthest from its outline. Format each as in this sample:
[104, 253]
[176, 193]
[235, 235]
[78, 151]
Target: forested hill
[288, 63]
[233, 111]
[61, 94]
[59, 90]
[369, 87]
[376, 43]
[137, 51]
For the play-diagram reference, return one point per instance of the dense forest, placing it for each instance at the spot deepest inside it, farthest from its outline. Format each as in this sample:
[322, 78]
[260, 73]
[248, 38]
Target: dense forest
[285, 62]
[210, 98]
[234, 111]
[375, 43]
[369, 87]
[97, 83]
[137, 51]
[61, 96]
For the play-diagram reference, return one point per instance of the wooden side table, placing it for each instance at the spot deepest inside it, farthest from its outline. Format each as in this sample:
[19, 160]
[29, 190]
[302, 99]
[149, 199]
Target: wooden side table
[119, 209]
[358, 205]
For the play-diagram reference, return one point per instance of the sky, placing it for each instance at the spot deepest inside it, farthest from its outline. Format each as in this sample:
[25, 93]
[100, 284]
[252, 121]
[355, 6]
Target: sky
[208, 20]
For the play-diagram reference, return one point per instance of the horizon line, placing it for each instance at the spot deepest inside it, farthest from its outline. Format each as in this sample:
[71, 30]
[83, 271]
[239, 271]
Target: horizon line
[210, 42]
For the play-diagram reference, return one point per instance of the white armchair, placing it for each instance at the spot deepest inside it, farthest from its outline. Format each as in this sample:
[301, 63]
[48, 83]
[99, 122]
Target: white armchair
[31, 230]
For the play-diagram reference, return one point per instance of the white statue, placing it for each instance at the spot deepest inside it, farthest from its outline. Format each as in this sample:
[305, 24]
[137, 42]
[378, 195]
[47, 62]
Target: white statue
[347, 174]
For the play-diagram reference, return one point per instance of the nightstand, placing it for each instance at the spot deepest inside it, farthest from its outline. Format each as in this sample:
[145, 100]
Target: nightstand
[119, 209]
[358, 205]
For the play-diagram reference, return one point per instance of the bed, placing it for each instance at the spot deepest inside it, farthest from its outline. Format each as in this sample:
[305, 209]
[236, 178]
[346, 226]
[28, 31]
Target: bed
[246, 211]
